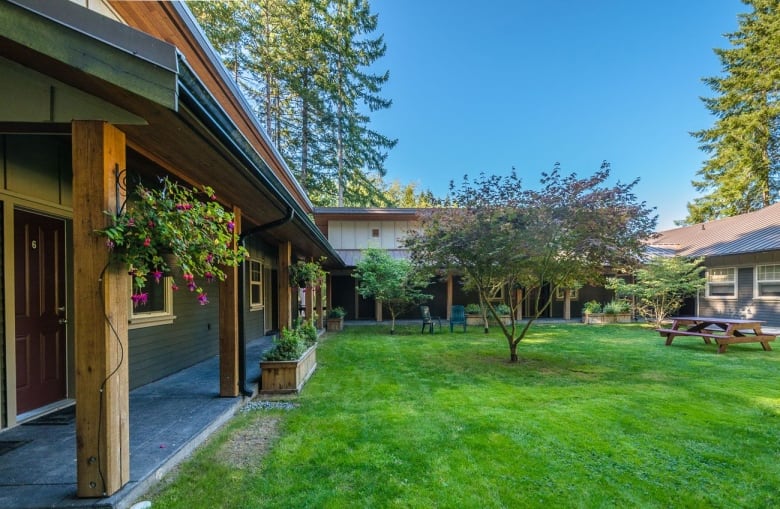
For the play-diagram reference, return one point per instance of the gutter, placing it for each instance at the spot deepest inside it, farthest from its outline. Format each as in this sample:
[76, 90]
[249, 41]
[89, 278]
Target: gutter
[242, 297]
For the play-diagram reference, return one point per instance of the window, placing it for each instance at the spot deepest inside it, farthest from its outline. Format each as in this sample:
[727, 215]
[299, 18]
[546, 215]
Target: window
[375, 233]
[722, 282]
[573, 293]
[255, 284]
[768, 281]
[158, 309]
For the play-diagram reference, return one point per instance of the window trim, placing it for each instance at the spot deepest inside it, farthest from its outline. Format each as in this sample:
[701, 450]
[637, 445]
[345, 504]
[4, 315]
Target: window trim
[756, 282]
[154, 318]
[734, 284]
[574, 293]
[252, 283]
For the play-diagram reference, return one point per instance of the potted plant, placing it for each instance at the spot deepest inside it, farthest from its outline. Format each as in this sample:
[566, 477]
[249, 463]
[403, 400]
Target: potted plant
[303, 273]
[592, 312]
[287, 366]
[504, 313]
[474, 314]
[335, 320]
[620, 310]
[173, 222]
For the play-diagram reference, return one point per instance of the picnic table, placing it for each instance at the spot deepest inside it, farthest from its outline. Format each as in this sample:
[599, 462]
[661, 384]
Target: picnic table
[724, 331]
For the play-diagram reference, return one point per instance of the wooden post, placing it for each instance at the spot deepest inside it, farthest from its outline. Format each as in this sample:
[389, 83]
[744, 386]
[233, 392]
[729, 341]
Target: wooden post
[308, 302]
[285, 301]
[378, 310]
[449, 295]
[100, 314]
[228, 323]
[519, 297]
[320, 308]
[567, 304]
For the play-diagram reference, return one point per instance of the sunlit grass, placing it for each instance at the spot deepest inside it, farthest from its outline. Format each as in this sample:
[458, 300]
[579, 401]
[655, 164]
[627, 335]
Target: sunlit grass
[591, 416]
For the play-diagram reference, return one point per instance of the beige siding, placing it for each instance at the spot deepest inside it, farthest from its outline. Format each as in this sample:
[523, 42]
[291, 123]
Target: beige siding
[359, 234]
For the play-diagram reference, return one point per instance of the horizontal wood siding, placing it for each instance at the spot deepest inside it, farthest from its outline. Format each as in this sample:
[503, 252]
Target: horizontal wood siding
[745, 305]
[3, 371]
[156, 352]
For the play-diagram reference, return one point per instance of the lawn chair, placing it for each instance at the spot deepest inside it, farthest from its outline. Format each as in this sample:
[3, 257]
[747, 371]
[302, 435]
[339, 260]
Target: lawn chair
[428, 320]
[457, 317]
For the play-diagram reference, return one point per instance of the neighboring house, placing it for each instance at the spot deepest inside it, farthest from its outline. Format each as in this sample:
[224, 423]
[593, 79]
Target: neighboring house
[350, 230]
[91, 96]
[742, 256]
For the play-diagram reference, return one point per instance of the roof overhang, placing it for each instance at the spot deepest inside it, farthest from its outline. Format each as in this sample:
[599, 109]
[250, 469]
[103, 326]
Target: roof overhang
[189, 134]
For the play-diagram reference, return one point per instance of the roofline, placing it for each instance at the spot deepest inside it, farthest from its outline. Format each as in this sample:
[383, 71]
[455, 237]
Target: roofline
[211, 54]
[202, 103]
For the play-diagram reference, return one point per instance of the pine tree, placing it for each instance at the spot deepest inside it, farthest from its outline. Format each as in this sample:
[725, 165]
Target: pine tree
[743, 171]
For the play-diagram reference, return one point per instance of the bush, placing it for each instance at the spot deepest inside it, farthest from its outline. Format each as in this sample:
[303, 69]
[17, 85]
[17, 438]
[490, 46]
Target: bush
[591, 307]
[503, 309]
[473, 309]
[337, 312]
[308, 333]
[615, 307]
[289, 346]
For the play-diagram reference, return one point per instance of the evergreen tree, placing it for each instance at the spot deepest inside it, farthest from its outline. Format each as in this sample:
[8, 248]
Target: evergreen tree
[742, 173]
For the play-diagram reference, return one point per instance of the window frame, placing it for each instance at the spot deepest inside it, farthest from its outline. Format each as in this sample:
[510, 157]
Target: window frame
[254, 306]
[734, 283]
[573, 295]
[757, 282]
[138, 320]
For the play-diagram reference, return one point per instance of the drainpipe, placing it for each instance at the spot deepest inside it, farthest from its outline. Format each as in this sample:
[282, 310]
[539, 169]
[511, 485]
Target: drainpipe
[241, 283]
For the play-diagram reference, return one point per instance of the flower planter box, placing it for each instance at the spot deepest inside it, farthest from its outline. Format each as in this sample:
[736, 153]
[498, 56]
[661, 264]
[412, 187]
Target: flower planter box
[335, 324]
[597, 318]
[286, 377]
[477, 320]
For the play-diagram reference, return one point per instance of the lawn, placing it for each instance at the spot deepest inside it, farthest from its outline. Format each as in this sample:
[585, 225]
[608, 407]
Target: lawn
[591, 416]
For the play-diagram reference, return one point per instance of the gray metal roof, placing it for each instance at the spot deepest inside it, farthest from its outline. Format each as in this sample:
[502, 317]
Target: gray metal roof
[747, 233]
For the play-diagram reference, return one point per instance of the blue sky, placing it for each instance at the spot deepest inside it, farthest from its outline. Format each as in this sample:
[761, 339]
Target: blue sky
[485, 86]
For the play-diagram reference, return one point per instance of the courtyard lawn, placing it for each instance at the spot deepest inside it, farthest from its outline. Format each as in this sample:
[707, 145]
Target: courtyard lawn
[591, 416]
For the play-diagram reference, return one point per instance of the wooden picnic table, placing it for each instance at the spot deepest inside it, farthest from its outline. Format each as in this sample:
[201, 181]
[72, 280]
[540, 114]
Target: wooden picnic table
[724, 331]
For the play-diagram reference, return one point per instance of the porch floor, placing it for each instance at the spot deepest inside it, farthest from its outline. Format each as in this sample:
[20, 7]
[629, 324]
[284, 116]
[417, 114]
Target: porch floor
[168, 419]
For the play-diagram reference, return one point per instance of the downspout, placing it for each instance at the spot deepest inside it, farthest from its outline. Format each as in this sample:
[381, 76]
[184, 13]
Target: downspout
[241, 296]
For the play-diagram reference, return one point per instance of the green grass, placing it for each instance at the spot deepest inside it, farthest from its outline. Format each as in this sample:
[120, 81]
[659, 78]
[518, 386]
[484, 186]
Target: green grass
[591, 416]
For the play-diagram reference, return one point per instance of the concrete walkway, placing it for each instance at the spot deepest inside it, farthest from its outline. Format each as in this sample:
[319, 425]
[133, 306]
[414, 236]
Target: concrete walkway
[168, 419]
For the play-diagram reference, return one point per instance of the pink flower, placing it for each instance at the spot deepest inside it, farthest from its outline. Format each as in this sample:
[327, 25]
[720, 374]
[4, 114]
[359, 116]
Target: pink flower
[157, 276]
[209, 257]
[203, 299]
[231, 226]
[131, 221]
[110, 244]
[139, 299]
[174, 287]
[209, 276]
[147, 242]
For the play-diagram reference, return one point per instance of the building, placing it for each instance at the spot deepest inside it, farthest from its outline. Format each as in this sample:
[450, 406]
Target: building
[742, 257]
[95, 99]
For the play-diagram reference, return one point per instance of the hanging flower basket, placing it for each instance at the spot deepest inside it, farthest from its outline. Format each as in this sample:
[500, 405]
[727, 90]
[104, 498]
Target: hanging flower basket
[173, 225]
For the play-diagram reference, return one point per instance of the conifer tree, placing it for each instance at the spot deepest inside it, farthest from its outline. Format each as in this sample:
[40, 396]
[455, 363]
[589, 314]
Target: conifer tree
[743, 171]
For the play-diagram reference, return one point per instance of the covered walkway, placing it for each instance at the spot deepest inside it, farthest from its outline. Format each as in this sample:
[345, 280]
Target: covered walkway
[168, 419]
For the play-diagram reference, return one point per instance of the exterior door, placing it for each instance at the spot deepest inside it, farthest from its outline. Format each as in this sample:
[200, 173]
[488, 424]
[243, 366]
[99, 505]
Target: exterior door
[39, 286]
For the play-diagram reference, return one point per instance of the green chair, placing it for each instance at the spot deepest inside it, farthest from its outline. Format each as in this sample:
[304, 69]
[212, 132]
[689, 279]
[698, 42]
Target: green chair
[428, 320]
[457, 317]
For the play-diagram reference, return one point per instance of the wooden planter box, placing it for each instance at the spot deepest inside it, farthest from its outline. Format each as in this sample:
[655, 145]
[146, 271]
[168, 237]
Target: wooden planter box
[477, 320]
[335, 324]
[606, 318]
[286, 377]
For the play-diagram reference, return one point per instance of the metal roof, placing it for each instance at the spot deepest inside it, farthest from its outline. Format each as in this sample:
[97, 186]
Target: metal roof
[747, 233]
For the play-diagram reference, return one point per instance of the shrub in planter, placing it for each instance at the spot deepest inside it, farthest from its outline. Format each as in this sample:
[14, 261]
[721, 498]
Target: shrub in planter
[473, 309]
[287, 347]
[591, 307]
[289, 364]
[308, 333]
[503, 309]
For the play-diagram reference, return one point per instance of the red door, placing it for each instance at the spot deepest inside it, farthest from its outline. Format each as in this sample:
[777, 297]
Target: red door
[39, 253]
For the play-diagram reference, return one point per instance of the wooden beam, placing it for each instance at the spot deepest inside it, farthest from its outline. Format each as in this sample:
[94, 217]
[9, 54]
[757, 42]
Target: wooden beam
[320, 307]
[285, 301]
[449, 295]
[309, 302]
[100, 315]
[228, 324]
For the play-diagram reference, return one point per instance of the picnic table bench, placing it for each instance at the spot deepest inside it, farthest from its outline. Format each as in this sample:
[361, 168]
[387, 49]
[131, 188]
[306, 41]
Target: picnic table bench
[724, 331]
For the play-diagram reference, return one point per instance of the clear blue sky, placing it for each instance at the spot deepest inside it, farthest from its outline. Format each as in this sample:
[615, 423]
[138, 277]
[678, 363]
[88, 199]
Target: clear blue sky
[485, 86]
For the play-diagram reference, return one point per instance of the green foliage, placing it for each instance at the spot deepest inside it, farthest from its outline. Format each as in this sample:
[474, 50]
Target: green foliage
[503, 309]
[303, 273]
[615, 307]
[450, 425]
[393, 282]
[337, 312]
[662, 286]
[288, 346]
[503, 237]
[309, 69]
[473, 309]
[592, 306]
[308, 333]
[188, 224]
[742, 173]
